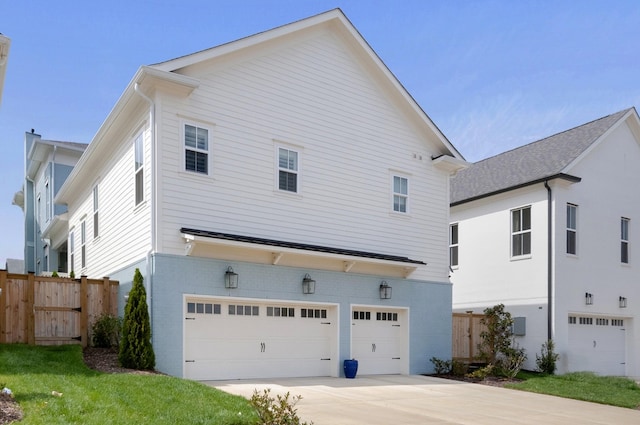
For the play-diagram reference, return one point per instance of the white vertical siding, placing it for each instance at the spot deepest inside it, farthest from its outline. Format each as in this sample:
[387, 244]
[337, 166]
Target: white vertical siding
[314, 95]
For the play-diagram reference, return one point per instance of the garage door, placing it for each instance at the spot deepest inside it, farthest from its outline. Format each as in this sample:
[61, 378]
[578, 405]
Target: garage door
[597, 344]
[379, 340]
[240, 339]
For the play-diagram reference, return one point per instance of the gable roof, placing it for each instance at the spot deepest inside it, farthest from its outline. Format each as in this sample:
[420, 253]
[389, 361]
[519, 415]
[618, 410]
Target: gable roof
[545, 159]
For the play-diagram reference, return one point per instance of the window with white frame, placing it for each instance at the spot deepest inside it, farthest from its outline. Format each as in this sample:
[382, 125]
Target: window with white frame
[39, 209]
[72, 250]
[453, 245]
[288, 170]
[139, 169]
[572, 229]
[400, 194]
[96, 222]
[624, 240]
[521, 232]
[48, 201]
[83, 246]
[196, 149]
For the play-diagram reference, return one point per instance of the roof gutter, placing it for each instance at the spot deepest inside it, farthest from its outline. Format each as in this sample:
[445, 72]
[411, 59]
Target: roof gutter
[549, 262]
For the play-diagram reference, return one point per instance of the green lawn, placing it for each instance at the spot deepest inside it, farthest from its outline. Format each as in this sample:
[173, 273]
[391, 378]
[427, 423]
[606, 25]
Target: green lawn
[621, 392]
[90, 397]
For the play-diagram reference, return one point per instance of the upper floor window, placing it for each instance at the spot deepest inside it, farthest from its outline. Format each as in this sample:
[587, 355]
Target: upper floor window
[288, 170]
[83, 247]
[48, 201]
[96, 228]
[139, 169]
[72, 249]
[624, 240]
[521, 232]
[400, 194]
[196, 145]
[572, 229]
[453, 245]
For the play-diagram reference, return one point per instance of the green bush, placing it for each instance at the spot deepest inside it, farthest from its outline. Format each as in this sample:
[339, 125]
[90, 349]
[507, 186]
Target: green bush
[481, 373]
[136, 351]
[106, 331]
[547, 359]
[459, 368]
[511, 362]
[441, 367]
[277, 410]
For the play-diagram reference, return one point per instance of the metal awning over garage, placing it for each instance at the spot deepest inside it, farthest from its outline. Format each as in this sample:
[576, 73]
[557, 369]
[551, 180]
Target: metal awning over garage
[202, 243]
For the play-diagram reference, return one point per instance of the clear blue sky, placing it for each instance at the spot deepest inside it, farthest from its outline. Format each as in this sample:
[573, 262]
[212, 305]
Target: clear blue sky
[492, 75]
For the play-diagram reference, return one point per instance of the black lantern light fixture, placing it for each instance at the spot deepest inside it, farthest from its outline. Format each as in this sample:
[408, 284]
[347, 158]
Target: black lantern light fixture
[622, 302]
[588, 298]
[308, 285]
[230, 278]
[385, 290]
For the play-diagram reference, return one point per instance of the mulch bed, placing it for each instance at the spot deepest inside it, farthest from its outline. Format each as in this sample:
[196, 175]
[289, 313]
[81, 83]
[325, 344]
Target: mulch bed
[493, 381]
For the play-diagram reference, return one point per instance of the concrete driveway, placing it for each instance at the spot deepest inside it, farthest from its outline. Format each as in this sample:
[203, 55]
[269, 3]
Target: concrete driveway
[396, 399]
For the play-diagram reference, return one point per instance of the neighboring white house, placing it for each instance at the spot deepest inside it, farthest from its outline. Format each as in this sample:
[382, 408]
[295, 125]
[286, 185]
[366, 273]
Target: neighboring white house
[287, 202]
[47, 163]
[548, 229]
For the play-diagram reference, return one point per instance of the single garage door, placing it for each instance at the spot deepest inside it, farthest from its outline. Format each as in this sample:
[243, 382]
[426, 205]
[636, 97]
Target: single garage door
[240, 339]
[379, 340]
[597, 344]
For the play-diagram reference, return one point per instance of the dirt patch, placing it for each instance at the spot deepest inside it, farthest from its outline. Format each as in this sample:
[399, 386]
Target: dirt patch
[493, 381]
[106, 360]
[10, 411]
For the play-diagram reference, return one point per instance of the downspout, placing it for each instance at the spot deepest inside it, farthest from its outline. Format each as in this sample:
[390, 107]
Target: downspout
[549, 263]
[152, 128]
[52, 208]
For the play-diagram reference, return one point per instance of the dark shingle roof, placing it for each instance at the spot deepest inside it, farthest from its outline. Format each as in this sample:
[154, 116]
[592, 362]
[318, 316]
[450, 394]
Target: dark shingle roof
[530, 163]
[294, 245]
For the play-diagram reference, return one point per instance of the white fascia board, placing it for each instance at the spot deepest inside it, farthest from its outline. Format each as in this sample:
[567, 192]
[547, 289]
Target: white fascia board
[450, 164]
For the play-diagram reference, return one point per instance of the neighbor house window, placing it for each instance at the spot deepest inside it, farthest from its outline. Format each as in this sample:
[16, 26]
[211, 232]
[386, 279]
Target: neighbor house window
[72, 246]
[196, 144]
[48, 201]
[83, 247]
[139, 169]
[95, 212]
[400, 194]
[453, 245]
[521, 232]
[572, 229]
[624, 240]
[288, 170]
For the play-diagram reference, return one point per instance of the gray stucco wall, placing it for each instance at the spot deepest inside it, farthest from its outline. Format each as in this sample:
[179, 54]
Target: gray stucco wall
[174, 276]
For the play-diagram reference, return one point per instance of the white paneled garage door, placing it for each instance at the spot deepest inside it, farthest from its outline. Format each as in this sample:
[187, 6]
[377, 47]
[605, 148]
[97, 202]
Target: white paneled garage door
[240, 339]
[379, 340]
[597, 344]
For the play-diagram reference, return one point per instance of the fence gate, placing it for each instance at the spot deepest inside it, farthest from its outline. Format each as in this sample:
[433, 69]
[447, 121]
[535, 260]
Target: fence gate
[466, 336]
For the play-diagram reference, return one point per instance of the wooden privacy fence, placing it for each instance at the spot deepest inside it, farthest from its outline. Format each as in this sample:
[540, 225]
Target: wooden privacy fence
[466, 336]
[40, 310]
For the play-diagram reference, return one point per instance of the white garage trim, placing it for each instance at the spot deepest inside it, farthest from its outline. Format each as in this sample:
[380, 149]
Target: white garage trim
[242, 338]
[380, 339]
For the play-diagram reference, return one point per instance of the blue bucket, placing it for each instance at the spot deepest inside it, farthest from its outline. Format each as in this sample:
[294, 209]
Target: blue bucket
[350, 368]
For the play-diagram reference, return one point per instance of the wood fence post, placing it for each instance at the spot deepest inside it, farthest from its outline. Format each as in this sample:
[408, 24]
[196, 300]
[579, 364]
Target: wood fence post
[106, 295]
[84, 311]
[3, 306]
[471, 351]
[31, 309]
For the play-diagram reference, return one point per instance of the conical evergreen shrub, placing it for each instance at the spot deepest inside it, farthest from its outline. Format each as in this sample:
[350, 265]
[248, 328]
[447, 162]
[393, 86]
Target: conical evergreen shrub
[136, 351]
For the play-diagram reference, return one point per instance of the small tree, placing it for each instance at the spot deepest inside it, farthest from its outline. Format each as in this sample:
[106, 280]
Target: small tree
[497, 337]
[136, 351]
[547, 359]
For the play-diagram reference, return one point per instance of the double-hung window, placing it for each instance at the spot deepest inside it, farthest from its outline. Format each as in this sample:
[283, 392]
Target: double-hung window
[288, 170]
[521, 232]
[624, 240]
[96, 223]
[72, 246]
[139, 169]
[572, 229]
[196, 149]
[83, 245]
[400, 194]
[453, 245]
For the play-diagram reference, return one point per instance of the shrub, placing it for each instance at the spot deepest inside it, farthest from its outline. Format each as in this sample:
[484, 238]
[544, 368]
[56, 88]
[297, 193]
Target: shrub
[106, 331]
[441, 367]
[55, 274]
[277, 410]
[459, 368]
[481, 373]
[136, 351]
[510, 363]
[496, 338]
[547, 359]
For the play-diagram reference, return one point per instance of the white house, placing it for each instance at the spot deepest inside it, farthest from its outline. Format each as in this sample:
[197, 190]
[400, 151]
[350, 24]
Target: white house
[548, 230]
[287, 202]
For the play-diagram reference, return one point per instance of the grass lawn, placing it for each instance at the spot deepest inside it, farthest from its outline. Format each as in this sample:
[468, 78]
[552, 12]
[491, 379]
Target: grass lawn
[91, 397]
[621, 392]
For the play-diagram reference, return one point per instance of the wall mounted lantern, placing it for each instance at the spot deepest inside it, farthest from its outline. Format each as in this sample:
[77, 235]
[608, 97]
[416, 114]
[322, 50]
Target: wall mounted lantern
[385, 290]
[308, 285]
[588, 298]
[622, 302]
[230, 278]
